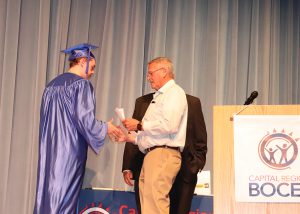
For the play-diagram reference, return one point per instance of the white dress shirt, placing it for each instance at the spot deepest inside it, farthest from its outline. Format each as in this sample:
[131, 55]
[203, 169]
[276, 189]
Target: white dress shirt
[165, 120]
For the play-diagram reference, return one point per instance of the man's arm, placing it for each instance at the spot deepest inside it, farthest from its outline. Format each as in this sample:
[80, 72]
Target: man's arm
[132, 157]
[130, 150]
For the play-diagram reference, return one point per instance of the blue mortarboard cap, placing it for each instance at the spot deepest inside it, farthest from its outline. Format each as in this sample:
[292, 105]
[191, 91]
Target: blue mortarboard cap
[80, 50]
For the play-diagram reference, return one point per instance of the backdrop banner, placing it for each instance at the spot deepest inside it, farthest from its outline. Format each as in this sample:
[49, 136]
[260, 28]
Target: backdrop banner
[120, 202]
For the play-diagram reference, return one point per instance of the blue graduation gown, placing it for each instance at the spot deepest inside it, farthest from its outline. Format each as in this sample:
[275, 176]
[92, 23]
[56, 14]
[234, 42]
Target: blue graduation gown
[67, 126]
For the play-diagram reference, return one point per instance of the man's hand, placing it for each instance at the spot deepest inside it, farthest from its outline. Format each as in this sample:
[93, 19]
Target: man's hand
[127, 175]
[130, 124]
[131, 137]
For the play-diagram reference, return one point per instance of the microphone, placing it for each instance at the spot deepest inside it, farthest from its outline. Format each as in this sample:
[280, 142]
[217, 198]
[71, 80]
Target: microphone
[249, 100]
[252, 97]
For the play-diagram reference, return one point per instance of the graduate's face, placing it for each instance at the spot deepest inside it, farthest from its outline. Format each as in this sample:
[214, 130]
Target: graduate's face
[91, 69]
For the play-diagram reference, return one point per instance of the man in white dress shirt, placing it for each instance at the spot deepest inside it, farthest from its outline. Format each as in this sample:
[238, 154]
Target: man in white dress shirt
[161, 136]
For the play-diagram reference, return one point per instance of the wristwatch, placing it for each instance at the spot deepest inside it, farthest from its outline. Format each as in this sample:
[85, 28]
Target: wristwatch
[139, 126]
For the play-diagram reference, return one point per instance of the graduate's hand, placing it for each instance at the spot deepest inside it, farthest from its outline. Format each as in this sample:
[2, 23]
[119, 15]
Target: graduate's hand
[115, 133]
[130, 124]
[122, 137]
[127, 175]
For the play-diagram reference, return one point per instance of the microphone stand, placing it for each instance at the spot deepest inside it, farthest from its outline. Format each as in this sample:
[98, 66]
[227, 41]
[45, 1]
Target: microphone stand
[248, 101]
[231, 118]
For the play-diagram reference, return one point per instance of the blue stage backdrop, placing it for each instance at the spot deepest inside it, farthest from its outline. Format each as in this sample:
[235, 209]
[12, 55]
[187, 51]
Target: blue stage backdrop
[120, 202]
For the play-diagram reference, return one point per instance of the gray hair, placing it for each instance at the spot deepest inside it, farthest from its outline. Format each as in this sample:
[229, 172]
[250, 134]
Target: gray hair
[167, 64]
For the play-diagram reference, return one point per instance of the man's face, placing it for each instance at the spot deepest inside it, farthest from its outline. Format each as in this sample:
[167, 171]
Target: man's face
[91, 69]
[155, 75]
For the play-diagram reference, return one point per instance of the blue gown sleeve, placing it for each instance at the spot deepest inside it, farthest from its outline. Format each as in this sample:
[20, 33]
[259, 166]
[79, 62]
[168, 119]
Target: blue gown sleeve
[89, 127]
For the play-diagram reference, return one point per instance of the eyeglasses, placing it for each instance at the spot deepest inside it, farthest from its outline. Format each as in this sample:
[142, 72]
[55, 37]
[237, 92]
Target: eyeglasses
[150, 73]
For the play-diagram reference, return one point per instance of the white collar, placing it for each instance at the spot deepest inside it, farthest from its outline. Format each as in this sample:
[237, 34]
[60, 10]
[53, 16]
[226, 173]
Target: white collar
[165, 87]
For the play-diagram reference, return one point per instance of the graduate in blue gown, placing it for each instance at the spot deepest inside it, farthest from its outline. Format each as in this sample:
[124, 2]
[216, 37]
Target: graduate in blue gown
[67, 127]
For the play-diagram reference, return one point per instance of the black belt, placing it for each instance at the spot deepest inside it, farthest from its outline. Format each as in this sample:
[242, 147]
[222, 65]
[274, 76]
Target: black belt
[163, 146]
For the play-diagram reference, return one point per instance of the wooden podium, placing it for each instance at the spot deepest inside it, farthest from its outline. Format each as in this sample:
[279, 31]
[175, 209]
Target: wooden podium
[223, 161]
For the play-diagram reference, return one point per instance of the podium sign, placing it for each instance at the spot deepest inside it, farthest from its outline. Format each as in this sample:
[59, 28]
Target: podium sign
[266, 158]
[225, 163]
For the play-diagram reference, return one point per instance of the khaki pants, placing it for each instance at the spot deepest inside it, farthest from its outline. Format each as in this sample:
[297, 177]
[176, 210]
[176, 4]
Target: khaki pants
[159, 170]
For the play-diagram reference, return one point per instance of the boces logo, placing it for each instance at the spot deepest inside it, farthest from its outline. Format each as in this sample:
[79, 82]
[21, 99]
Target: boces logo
[278, 150]
[118, 207]
[94, 209]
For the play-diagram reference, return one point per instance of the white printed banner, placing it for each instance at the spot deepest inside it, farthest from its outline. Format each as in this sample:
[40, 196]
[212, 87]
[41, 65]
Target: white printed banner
[266, 158]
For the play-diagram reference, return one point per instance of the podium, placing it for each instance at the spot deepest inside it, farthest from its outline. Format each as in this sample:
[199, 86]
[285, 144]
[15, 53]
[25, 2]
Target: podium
[223, 161]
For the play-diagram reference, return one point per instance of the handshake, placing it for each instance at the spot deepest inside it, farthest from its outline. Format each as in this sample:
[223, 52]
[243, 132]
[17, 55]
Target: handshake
[117, 134]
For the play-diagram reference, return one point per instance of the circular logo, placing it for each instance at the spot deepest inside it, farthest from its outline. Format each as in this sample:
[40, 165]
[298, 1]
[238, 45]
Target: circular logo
[95, 210]
[278, 150]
